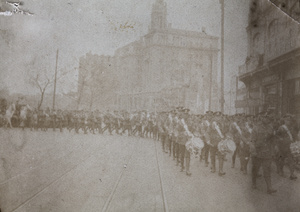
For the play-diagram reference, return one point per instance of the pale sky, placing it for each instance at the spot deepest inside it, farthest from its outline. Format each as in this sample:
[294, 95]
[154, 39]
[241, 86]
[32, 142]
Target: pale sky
[76, 27]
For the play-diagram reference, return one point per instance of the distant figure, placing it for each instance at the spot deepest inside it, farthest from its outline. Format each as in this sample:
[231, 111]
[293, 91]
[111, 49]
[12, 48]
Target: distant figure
[9, 113]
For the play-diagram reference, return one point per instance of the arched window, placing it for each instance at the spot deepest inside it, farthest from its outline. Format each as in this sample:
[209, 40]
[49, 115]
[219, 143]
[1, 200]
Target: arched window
[290, 38]
[272, 37]
[258, 47]
[273, 27]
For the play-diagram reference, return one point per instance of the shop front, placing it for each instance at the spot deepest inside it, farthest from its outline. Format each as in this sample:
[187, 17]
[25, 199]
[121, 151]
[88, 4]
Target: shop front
[270, 93]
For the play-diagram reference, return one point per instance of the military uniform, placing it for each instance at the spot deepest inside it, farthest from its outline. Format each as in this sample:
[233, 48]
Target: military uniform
[53, 119]
[215, 135]
[236, 133]
[127, 124]
[99, 119]
[92, 122]
[164, 135]
[244, 146]
[42, 120]
[262, 138]
[204, 126]
[108, 120]
[76, 122]
[285, 138]
[182, 139]
[155, 128]
[34, 120]
[70, 121]
[29, 118]
[60, 120]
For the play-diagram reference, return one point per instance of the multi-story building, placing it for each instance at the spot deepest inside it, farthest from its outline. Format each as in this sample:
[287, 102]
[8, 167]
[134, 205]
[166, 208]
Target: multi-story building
[271, 72]
[96, 82]
[168, 67]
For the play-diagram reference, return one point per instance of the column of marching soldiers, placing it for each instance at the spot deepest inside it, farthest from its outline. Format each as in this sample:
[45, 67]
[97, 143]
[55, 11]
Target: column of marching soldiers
[263, 139]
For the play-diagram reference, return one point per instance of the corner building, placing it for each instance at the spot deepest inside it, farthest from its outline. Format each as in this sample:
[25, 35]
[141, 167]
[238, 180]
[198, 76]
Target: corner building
[167, 68]
[271, 72]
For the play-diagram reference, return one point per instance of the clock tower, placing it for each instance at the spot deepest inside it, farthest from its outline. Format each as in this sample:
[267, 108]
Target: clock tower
[159, 16]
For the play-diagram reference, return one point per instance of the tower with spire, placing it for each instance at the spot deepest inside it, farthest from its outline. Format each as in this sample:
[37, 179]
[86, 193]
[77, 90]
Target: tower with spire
[168, 66]
[159, 16]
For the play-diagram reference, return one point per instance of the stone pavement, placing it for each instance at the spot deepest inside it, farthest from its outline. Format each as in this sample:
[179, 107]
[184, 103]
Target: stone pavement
[53, 171]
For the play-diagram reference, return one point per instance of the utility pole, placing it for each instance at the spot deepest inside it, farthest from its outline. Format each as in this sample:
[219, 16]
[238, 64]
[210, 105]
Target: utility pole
[236, 90]
[222, 101]
[210, 82]
[55, 76]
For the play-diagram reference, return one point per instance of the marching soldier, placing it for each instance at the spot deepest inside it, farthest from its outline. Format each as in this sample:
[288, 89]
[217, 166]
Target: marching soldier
[204, 126]
[169, 132]
[40, 120]
[246, 127]
[99, 121]
[155, 128]
[108, 122]
[285, 138]
[53, 119]
[263, 141]
[116, 121]
[92, 122]
[137, 122]
[76, 118]
[34, 120]
[160, 129]
[183, 136]
[127, 124]
[237, 136]
[173, 135]
[144, 124]
[47, 122]
[215, 135]
[70, 121]
[60, 120]
[164, 133]
[81, 121]
[29, 118]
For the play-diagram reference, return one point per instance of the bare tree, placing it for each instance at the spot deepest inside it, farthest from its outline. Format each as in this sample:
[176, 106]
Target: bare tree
[41, 81]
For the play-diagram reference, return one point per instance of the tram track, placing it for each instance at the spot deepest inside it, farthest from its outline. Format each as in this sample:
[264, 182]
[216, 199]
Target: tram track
[57, 179]
[166, 208]
[50, 158]
[108, 201]
[67, 174]
[109, 204]
[141, 151]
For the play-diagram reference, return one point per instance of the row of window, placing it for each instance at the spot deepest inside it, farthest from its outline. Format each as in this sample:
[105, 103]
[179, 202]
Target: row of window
[276, 41]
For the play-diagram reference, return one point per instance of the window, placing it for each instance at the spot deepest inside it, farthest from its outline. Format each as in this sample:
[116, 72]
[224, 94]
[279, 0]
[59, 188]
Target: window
[257, 44]
[272, 33]
[297, 87]
[272, 89]
[291, 38]
[273, 28]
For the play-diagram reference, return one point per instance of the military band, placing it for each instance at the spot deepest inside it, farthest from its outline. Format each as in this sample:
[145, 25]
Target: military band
[263, 139]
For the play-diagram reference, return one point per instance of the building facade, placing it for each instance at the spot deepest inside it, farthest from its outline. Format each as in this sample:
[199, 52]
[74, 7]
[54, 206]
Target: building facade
[167, 68]
[271, 72]
[96, 82]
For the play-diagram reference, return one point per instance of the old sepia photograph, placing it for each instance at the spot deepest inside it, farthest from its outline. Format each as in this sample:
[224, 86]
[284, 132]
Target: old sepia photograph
[152, 105]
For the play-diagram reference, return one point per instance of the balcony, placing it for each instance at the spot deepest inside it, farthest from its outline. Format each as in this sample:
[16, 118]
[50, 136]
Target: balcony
[251, 64]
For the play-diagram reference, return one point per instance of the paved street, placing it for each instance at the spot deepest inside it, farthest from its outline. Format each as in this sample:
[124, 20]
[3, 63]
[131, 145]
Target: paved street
[53, 171]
